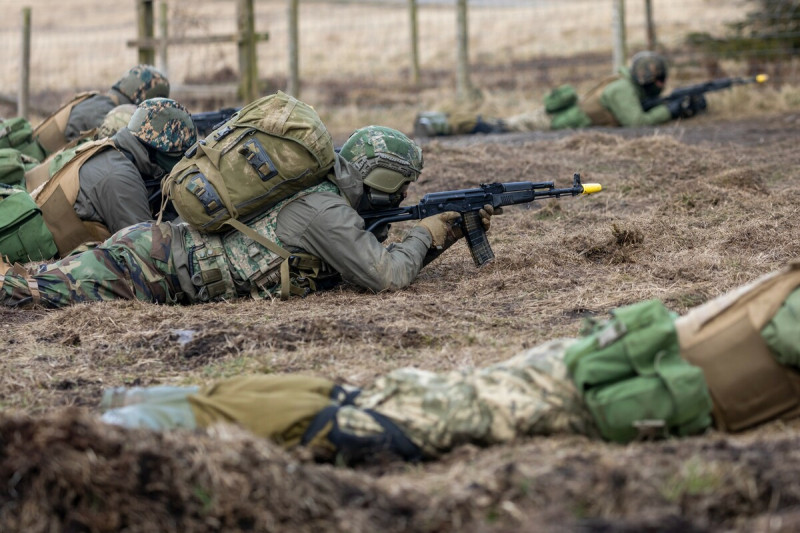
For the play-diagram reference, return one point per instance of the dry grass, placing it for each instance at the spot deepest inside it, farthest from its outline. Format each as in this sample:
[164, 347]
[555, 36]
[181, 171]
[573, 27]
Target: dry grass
[689, 211]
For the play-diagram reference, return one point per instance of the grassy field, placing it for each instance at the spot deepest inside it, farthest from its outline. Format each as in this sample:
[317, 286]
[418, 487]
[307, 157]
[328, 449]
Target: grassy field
[689, 211]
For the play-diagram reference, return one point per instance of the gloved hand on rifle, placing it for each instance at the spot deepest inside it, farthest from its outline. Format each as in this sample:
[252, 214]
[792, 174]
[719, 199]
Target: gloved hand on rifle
[688, 106]
[445, 228]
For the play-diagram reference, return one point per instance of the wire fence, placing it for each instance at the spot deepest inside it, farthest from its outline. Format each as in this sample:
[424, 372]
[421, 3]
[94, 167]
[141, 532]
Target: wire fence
[349, 47]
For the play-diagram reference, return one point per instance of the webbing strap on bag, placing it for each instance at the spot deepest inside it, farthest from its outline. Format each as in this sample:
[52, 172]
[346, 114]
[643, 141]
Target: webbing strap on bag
[289, 259]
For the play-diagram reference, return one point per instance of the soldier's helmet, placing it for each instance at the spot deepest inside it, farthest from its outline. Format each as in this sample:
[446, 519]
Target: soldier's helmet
[385, 157]
[143, 82]
[164, 125]
[648, 67]
[115, 120]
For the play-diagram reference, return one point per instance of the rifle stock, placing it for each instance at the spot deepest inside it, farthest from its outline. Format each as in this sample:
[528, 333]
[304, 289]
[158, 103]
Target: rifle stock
[469, 202]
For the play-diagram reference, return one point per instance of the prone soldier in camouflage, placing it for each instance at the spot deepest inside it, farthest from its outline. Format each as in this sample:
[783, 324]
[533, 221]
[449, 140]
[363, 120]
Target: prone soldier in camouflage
[174, 263]
[615, 101]
[745, 342]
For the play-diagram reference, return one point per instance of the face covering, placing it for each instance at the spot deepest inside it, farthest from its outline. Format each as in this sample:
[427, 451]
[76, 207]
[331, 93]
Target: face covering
[167, 160]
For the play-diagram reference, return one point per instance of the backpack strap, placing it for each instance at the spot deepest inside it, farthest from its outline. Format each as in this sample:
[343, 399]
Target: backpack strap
[57, 197]
[50, 133]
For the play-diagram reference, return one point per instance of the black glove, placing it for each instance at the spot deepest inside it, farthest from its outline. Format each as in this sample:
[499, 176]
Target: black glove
[687, 107]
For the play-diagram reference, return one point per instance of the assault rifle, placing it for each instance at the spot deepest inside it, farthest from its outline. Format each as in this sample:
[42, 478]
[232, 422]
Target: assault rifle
[700, 89]
[207, 121]
[469, 202]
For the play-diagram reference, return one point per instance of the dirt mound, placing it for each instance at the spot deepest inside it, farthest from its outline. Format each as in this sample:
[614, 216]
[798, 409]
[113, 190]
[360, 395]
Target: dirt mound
[68, 472]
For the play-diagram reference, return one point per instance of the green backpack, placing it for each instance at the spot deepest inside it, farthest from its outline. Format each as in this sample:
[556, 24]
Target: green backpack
[13, 165]
[268, 151]
[24, 237]
[18, 133]
[632, 376]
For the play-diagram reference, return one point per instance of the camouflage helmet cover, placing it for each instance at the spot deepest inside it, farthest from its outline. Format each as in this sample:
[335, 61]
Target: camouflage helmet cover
[143, 82]
[648, 67]
[164, 125]
[385, 157]
[115, 120]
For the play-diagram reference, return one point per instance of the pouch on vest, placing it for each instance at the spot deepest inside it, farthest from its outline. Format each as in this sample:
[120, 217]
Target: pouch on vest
[735, 340]
[24, 237]
[572, 117]
[17, 133]
[782, 333]
[560, 98]
[13, 165]
[631, 375]
[268, 151]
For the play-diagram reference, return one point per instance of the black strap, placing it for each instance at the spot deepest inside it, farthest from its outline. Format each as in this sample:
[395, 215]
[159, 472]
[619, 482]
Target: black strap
[353, 448]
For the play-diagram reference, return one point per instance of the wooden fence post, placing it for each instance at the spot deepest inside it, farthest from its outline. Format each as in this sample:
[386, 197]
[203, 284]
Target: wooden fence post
[145, 15]
[463, 83]
[23, 98]
[293, 83]
[414, 33]
[163, 34]
[651, 29]
[248, 64]
[619, 49]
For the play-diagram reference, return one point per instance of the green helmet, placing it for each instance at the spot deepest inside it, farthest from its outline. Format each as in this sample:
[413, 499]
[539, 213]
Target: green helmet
[115, 120]
[648, 68]
[143, 82]
[385, 158]
[164, 125]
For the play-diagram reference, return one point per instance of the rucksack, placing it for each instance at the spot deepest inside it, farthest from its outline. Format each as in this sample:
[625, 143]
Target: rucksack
[13, 165]
[24, 237]
[17, 133]
[632, 377]
[268, 151]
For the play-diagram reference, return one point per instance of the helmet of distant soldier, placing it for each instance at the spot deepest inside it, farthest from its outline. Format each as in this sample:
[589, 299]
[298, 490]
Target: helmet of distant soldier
[164, 125]
[143, 82]
[385, 157]
[115, 120]
[648, 69]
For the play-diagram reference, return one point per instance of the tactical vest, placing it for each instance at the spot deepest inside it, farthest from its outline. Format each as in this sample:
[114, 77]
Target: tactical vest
[51, 132]
[723, 337]
[57, 197]
[594, 109]
[255, 255]
[40, 174]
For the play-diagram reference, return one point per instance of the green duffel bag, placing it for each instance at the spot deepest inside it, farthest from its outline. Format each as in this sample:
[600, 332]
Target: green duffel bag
[18, 133]
[268, 151]
[13, 165]
[573, 117]
[24, 237]
[632, 376]
[560, 99]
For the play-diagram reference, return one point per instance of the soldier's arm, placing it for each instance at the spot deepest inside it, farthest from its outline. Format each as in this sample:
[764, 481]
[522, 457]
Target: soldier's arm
[324, 225]
[116, 197]
[623, 101]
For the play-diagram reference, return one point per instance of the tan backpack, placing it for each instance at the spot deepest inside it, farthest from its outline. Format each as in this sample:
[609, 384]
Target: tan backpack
[268, 151]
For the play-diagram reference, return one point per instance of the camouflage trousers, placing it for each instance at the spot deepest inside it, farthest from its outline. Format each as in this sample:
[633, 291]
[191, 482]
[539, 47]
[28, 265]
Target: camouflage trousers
[134, 263]
[529, 394]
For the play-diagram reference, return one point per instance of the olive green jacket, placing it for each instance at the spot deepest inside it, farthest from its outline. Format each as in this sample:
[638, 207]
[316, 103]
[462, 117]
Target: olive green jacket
[623, 98]
[326, 225]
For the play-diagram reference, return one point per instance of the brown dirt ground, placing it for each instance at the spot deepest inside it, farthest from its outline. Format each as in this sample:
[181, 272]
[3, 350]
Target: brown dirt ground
[689, 211]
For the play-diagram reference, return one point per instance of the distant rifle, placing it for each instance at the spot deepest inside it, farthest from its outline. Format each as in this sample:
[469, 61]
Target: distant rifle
[207, 121]
[700, 89]
[469, 202]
